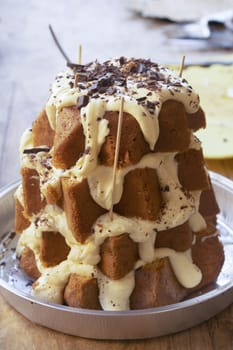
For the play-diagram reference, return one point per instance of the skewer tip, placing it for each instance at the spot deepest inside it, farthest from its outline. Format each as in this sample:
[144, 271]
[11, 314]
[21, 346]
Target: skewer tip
[182, 66]
[80, 54]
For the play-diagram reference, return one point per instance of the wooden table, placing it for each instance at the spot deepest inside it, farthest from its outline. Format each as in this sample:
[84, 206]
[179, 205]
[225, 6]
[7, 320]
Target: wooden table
[29, 61]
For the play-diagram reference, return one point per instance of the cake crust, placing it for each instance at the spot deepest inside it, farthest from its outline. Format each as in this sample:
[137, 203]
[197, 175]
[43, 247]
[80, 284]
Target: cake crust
[82, 291]
[80, 209]
[42, 133]
[141, 195]
[162, 286]
[118, 256]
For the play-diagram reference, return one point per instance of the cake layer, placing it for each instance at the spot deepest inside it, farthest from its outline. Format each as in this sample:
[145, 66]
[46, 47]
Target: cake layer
[141, 195]
[156, 285]
[69, 140]
[42, 133]
[53, 249]
[192, 162]
[208, 255]
[208, 205]
[33, 202]
[133, 145]
[162, 287]
[118, 256]
[80, 209]
[21, 222]
[28, 263]
[178, 238]
[174, 134]
[82, 291]
[53, 193]
[196, 120]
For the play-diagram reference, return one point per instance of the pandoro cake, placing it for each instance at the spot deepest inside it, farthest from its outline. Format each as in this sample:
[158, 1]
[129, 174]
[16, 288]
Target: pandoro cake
[152, 243]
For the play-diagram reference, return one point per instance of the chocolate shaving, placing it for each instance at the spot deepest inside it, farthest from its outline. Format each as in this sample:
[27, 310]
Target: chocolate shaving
[12, 235]
[29, 284]
[82, 101]
[151, 106]
[111, 90]
[166, 188]
[87, 150]
[92, 89]
[155, 76]
[122, 60]
[141, 68]
[83, 77]
[141, 85]
[36, 150]
[141, 99]
[120, 82]
[106, 80]
[76, 67]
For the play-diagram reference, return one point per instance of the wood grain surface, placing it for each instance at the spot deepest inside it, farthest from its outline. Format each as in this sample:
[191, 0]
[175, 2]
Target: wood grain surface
[29, 61]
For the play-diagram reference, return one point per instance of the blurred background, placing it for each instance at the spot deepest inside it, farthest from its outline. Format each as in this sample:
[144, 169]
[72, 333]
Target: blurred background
[29, 60]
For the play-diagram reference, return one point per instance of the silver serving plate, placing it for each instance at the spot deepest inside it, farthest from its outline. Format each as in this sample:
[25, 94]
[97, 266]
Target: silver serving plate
[138, 324]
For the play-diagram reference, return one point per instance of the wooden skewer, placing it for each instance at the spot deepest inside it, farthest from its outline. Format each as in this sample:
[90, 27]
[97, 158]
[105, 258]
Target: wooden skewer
[116, 156]
[182, 66]
[79, 62]
[80, 54]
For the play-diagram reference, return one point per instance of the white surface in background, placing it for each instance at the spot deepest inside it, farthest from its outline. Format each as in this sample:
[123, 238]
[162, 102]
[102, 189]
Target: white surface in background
[180, 11]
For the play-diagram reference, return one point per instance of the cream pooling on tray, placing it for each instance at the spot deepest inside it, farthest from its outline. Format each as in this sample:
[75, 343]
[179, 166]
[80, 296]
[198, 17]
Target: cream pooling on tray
[144, 102]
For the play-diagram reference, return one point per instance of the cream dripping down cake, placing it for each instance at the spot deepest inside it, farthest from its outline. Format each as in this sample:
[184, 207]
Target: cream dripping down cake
[160, 244]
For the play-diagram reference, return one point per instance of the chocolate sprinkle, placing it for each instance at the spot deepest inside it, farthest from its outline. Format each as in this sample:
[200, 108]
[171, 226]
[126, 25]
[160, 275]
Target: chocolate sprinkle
[76, 67]
[108, 77]
[93, 88]
[36, 150]
[82, 101]
[141, 99]
[166, 188]
[29, 284]
[150, 106]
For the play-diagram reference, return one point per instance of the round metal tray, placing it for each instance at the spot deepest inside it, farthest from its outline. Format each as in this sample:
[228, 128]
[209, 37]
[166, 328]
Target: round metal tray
[138, 324]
